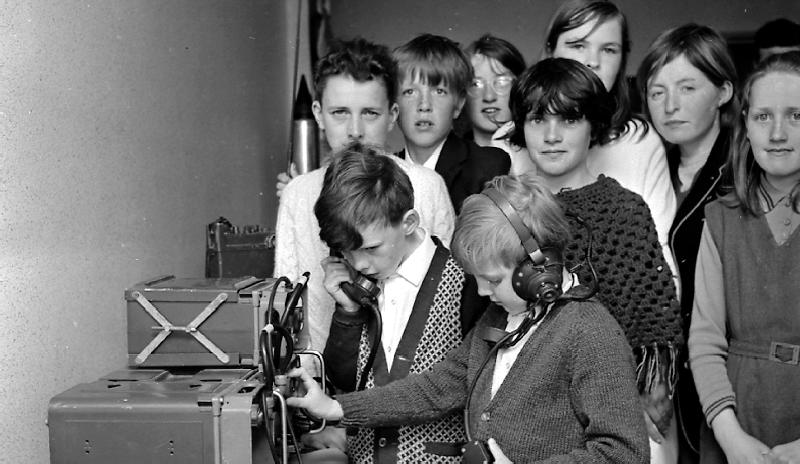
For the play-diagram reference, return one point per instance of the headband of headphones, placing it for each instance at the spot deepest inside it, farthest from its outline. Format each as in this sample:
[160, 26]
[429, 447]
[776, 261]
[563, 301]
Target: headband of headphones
[526, 237]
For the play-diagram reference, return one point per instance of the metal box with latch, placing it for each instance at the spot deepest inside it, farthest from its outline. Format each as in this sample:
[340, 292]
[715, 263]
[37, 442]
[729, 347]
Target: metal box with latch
[155, 416]
[202, 322]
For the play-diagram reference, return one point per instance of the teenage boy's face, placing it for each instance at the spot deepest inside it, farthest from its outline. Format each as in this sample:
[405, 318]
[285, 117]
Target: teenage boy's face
[494, 281]
[384, 247]
[426, 113]
[352, 111]
[558, 145]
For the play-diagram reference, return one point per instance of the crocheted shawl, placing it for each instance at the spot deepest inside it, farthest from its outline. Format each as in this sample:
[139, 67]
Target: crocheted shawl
[634, 280]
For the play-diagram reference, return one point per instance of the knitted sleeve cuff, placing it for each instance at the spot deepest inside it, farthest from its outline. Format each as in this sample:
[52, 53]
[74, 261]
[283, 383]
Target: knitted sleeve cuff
[717, 407]
[348, 318]
[356, 412]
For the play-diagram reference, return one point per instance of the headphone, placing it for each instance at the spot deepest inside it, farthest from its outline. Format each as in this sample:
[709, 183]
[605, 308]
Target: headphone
[538, 277]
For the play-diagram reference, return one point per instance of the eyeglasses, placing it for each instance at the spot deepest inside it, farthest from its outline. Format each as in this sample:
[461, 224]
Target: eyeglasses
[501, 85]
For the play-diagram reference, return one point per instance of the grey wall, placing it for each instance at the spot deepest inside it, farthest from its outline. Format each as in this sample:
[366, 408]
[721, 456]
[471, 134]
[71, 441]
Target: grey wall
[523, 22]
[125, 127]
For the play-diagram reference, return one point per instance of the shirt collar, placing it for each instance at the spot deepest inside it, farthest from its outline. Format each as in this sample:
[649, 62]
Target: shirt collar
[415, 267]
[430, 163]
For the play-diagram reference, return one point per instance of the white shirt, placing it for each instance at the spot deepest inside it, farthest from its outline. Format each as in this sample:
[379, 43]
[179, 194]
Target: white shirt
[430, 163]
[396, 301]
[520, 157]
[506, 357]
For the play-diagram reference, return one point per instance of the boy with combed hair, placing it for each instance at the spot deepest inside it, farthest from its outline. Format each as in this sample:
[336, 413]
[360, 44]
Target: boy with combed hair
[427, 303]
[432, 80]
[355, 102]
[559, 386]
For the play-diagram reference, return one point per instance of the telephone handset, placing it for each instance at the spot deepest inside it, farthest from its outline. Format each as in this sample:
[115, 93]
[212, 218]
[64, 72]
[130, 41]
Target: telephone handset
[362, 289]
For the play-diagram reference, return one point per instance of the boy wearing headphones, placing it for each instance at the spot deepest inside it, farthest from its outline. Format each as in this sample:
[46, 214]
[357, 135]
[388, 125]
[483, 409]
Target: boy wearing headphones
[543, 374]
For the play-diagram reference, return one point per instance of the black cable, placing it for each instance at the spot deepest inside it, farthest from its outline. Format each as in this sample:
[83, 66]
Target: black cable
[294, 298]
[271, 305]
[587, 258]
[267, 429]
[509, 340]
[294, 440]
[266, 360]
[376, 342]
[285, 336]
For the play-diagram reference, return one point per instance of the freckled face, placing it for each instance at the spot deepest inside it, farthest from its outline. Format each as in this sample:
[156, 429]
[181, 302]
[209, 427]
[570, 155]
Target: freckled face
[426, 113]
[773, 127]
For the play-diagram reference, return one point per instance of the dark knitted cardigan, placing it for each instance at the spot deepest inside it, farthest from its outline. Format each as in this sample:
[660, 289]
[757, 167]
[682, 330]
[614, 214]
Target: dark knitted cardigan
[570, 395]
[634, 280]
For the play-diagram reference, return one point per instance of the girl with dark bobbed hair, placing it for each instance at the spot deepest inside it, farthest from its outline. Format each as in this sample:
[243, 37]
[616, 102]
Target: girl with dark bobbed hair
[561, 109]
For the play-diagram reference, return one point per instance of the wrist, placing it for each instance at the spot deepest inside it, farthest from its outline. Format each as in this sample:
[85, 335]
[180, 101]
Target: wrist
[726, 428]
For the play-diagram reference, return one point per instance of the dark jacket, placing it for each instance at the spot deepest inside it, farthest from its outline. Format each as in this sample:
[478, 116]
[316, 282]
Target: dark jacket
[466, 167]
[684, 235]
[684, 240]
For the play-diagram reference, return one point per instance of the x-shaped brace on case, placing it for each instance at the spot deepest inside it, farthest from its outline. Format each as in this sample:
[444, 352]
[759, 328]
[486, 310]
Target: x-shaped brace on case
[167, 328]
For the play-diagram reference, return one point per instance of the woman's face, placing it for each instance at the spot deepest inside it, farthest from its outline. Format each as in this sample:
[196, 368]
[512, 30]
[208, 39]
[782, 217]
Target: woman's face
[597, 46]
[487, 95]
[773, 127]
[683, 103]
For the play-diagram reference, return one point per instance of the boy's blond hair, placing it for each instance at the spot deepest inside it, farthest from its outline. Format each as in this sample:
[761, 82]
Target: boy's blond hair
[484, 237]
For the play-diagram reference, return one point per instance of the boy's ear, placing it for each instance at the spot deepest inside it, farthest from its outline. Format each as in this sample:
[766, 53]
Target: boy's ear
[459, 106]
[410, 221]
[316, 108]
[394, 111]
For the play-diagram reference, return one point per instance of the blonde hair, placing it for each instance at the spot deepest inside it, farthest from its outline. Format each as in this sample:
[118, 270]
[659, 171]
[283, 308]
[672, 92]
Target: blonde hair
[484, 236]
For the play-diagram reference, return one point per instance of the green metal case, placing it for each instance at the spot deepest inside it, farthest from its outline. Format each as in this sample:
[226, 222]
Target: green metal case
[201, 322]
[153, 416]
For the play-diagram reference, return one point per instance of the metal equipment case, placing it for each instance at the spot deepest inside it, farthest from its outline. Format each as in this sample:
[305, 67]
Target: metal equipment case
[198, 322]
[154, 416]
[234, 252]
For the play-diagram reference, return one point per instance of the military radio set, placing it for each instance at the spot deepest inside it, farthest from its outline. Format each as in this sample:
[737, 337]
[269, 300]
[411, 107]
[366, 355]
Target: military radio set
[207, 361]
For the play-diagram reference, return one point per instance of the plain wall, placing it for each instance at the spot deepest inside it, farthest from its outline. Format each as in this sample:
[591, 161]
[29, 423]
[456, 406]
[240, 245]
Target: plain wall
[523, 22]
[126, 126]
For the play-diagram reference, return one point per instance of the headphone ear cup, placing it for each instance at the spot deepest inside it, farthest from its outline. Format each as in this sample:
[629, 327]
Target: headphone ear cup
[537, 283]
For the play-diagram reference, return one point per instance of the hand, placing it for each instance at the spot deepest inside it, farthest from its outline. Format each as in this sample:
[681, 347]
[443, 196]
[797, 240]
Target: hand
[329, 437]
[316, 402]
[285, 177]
[787, 453]
[658, 411]
[739, 446]
[337, 271]
[497, 453]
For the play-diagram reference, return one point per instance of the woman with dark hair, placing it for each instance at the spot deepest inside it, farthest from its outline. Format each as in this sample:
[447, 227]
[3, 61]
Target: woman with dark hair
[686, 80]
[595, 33]
[560, 110]
[496, 64]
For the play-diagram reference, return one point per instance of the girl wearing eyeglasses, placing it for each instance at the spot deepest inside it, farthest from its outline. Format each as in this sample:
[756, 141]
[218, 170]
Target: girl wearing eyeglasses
[496, 64]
